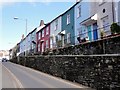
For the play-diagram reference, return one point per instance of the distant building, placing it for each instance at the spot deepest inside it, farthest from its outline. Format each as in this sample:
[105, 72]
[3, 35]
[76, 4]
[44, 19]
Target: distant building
[22, 47]
[4, 54]
[30, 45]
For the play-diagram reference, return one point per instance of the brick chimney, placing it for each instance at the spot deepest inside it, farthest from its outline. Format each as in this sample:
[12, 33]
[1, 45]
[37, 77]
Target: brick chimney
[22, 36]
[41, 23]
[77, 0]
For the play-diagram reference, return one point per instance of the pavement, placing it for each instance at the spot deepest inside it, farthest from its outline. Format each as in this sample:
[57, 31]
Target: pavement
[17, 76]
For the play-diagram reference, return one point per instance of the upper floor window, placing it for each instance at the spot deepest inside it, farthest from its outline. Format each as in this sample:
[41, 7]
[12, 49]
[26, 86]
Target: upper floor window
[47, 30]
[56, 24]
[68, 18]
[42, 33]
[79, 11]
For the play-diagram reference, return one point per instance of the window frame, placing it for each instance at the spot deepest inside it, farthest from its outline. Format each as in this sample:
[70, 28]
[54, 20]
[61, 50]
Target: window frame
[42, 33]
[38, 47]
[105, 24]
[68, 38]
[56, 24]
[68, 19]
[47, 45]
[47, 30]
[79, 11]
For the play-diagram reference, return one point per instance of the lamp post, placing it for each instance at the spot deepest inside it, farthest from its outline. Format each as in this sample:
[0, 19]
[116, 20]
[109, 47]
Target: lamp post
[16, 18]
[25, 23]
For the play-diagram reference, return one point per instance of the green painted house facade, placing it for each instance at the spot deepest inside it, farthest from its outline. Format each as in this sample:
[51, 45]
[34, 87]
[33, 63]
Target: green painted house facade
[68, 32]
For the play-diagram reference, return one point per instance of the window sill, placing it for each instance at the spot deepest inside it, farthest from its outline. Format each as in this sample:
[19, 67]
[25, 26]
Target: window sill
[68, 23]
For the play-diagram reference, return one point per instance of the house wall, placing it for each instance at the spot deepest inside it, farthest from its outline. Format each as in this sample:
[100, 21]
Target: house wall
[46, 38]
[41, 42]
[33, 38]
[97, 8]
[54, 32]
[28, 43]
[119, 12]
[22, 47]
[37, 41]
[70, 27]
[85, 13]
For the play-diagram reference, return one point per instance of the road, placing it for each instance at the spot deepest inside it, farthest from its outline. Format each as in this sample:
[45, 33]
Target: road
[17, 76]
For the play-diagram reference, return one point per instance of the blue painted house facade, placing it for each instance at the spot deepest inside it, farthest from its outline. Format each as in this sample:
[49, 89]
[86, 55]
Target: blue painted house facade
[82, 12]
[22, 47]
[28, 44]
[67, 33]
[33, 41]
[85, 22]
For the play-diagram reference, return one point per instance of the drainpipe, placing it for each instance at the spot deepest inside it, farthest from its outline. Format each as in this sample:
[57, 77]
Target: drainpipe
[113, 11]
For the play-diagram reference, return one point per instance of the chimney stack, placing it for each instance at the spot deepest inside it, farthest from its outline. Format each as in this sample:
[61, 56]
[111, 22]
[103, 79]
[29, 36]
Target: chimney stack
[41, 22]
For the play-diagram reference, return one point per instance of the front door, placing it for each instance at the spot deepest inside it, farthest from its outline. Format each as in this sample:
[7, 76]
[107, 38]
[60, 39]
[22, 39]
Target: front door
[95, 34]
[89, 32]
[63, 38]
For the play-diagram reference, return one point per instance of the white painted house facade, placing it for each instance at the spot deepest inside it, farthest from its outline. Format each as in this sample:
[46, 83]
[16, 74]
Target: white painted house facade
[55, 29]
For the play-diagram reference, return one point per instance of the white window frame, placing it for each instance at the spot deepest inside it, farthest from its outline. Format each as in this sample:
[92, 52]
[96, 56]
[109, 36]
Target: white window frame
[47, 44]
[56, 24]
[38, 46]
[47, 30]
[68, 19]
[68, 38]
[42, 33]
[105, 21]
[79, 11]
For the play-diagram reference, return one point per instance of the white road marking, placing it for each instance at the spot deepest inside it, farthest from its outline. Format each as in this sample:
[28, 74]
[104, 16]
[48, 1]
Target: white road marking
[18, 82]
[55, 78]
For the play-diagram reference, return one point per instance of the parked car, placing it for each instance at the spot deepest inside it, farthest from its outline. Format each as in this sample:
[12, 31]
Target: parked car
[4, 60]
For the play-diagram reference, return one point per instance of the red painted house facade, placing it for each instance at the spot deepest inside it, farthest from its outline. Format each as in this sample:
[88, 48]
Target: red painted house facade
[43, 39]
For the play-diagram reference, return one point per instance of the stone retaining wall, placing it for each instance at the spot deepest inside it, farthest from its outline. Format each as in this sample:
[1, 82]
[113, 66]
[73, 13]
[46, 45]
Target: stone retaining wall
[105, 46]
[96, 71]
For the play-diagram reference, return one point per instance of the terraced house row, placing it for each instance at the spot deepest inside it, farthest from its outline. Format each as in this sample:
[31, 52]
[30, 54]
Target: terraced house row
[85, 21]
